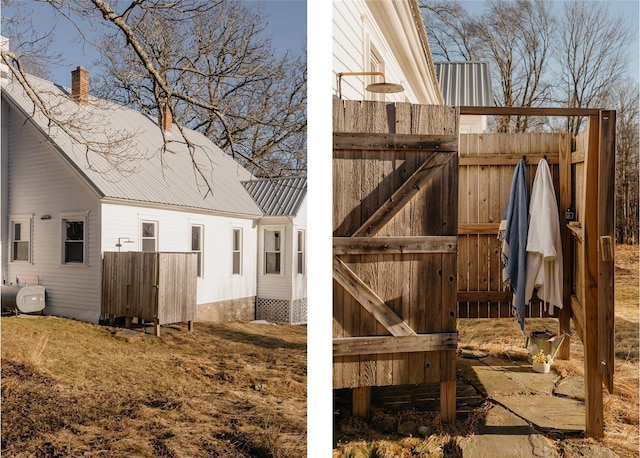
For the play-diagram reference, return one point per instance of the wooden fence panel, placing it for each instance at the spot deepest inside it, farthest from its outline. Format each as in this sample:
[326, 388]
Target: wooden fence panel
[487, 162]
[395, 170]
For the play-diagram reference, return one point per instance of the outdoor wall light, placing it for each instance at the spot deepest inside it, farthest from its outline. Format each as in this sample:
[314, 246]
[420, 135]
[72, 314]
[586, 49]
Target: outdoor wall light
[384, 87]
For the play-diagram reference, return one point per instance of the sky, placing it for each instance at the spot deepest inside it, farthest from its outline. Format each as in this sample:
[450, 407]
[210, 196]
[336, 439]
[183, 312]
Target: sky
[286, 24]
[626, 8]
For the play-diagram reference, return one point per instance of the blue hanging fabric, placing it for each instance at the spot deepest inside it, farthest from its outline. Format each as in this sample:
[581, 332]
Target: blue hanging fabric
[513, 233]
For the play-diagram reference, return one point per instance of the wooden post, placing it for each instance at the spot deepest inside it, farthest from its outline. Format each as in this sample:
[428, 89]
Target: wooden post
[361, 400]
[127, 321]
[564, 318]
[606, 236]
[190, 325]
[448, 401]
[156, 327]
[592, 376]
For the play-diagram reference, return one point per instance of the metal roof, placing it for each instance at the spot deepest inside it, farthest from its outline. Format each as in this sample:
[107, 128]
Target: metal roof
[144, 173]
[278, 196]
[465, 83]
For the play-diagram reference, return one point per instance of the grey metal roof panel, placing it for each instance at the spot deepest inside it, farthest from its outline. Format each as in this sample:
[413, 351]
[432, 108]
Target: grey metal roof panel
[143, 172]
[278, 196]
[465, 83]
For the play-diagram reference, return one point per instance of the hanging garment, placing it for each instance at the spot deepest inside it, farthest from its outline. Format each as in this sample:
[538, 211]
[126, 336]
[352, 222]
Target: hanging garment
[544, 244]
[513, 233]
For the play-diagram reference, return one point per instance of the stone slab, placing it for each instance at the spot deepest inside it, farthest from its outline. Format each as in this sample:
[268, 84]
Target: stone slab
[587, 451]
[504, 434]
[547, 413]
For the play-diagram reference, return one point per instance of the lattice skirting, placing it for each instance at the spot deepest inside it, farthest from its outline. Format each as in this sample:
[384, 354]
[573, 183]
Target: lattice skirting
[282, 310]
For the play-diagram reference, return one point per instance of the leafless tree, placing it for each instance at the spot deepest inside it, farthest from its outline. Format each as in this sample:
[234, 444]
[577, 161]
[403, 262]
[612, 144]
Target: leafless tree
[625, 99]
[206, 61]
[591, 51]
[515, 37]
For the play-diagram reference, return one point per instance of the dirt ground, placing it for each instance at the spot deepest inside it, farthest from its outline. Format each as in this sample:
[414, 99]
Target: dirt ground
[356, 438]
[225, 390]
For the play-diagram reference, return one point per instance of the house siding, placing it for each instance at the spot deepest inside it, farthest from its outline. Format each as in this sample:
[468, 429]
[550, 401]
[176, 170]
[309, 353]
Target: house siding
[388, 28]
[174, 234]
[34, 166]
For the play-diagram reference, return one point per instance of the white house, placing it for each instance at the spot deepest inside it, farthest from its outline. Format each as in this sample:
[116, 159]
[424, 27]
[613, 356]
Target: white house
[282, 241]
[63, 205]
[388, 37]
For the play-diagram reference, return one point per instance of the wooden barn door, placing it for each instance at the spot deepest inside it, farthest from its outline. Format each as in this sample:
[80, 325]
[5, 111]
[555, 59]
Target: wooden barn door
[395, 192]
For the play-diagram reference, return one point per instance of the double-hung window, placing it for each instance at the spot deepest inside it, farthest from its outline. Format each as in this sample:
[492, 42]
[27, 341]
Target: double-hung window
[272, 251]
[236, 263]
[74, 240]
[149, 236]
[21, 240]
[300, 251]
[197, 245]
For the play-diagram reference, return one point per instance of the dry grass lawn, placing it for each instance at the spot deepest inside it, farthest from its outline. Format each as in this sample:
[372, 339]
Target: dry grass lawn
[227, 390]
[502, 337]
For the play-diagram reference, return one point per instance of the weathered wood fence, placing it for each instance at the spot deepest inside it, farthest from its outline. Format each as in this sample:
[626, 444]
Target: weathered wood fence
[395, 170]
[584, 171]
[152, 286]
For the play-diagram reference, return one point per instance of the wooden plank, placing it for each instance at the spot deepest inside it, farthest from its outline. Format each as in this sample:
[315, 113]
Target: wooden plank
[606, 231]
[592, 375]
[527, 111]
[361, 402]
[483, 296]
[566, 185]
[577, 310]
[395, 245]
[430, 169]
[448, 400]
[507, 159]
[395, 142]
[374, 345]
[369, 300]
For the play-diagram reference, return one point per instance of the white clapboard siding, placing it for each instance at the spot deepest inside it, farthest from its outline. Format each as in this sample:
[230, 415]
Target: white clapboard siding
[41, 183]
[174, 234]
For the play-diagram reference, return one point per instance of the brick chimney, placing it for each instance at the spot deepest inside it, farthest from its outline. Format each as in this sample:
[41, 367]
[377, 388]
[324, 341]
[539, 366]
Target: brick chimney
[165, 120]
[80, 85]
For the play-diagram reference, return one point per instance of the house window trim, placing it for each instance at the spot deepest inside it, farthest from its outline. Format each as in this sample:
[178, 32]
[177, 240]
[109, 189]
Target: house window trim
[156, 237]
[282, 250]
[240, 251]
[301, 267]
[201, 250]
[25, 220]
[84, 217]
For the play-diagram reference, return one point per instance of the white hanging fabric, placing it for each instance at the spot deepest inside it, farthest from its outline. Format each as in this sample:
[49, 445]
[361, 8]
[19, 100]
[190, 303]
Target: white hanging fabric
[544, 244]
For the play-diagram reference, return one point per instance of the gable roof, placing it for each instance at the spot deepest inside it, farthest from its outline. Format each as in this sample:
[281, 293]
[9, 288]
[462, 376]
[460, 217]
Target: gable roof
[146, 175]
[465, 83]
[278, 196]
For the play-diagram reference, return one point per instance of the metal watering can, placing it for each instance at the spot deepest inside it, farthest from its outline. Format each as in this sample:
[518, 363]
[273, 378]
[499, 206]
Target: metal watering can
[547, 341]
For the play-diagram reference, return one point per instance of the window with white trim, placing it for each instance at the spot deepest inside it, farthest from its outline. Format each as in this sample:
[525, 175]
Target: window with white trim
[197, 245]
[74, 240]
[236, 263]
[149, 236]
[272, 252]
[300, 251]
[21, 240]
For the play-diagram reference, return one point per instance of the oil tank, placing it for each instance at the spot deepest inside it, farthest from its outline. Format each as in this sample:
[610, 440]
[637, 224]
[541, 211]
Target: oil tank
[26, 299]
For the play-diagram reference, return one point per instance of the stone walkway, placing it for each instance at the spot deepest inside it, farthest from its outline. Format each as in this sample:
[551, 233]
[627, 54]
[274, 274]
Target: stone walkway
[529, 409]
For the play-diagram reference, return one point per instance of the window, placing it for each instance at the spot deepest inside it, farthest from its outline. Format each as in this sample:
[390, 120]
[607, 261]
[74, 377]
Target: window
[376, 64]
[21, 240]
[272, 241]
[74, 240]
[197, 245]
[236, 268]
[300, 252]
[149, 236]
